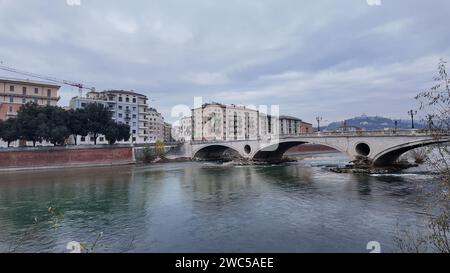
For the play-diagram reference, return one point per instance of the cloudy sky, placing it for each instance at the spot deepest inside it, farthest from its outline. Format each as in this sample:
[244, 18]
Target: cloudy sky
[336, 59]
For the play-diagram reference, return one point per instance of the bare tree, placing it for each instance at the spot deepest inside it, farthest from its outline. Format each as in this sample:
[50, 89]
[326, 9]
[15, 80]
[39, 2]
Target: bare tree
[435, 104]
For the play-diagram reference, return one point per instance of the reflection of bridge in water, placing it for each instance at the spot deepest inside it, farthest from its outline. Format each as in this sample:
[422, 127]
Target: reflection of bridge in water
[382, 148]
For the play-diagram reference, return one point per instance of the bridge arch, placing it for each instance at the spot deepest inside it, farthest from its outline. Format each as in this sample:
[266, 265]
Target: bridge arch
[391, 155]
[274, 152]
[216, 151]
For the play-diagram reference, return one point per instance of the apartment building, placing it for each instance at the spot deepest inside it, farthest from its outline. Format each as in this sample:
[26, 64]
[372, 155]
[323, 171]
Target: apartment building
[306, 128]
[16, 92]
[127, 107]
[168, 132]
[216, 121]
[290, 126]
[156, 125]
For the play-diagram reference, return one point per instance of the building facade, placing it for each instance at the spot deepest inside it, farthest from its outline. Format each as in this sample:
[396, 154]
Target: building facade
[290, 126]
[14, 93]
[306, 128]
[168, 132]
[216, 121]
[127, 107]
[156, 125]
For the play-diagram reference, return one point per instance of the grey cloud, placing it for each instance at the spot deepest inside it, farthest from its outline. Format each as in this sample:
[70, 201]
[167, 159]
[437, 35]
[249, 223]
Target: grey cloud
[333, 58]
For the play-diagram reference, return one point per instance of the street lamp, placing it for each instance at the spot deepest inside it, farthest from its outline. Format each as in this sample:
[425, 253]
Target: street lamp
[319, 119]
[412, 113]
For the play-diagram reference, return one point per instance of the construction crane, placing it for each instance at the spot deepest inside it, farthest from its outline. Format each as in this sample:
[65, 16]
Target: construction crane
[50, 79]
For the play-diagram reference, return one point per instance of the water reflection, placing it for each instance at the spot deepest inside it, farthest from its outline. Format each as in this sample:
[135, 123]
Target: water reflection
[207, 207]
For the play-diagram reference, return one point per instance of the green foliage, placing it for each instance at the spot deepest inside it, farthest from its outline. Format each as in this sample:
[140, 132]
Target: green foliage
[124, 132]
[149, 155]
[55, 125]
[77, 123]
[98, 118]
[8, 131]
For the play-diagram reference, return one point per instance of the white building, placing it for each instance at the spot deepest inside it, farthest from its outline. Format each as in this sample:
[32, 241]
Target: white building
[126, 106]
[216, 121]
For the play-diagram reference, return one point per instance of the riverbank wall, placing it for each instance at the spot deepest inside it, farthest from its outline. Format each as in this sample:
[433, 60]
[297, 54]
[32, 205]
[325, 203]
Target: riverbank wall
[61, 157]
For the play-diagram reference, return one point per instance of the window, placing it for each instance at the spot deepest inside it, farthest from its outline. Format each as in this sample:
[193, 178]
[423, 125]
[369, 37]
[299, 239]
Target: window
[83, 104]
[120, 107]
[127, 99]
[48, 102]
[134, 123]
[49, 92]
[11, 99]
[134, 116]
[83, 139]
[11, 88]
[102, 139]
[120, 115]
[134, 100]
[10, 109]
[92, 139]
[24, 90]
[36, 91]
[134, 131]
[134, 139]
[24, 100]
[120, 98]
[134, 108]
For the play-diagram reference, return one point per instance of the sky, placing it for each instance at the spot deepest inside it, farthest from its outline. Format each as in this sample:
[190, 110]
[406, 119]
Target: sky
[328, 58]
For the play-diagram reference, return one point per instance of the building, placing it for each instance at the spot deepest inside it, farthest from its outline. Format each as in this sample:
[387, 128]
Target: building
[168, 132]
[156, 125]
[216, 121]
[15, 92]
[306, 128]
[127, 107]
[289, 126]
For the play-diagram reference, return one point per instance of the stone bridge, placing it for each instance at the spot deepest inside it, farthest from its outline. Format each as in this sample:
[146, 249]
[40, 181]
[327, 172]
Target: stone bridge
[382, 148]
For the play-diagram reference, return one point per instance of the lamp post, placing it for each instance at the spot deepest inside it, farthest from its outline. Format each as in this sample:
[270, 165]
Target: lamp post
[319, 119]
[412, 113]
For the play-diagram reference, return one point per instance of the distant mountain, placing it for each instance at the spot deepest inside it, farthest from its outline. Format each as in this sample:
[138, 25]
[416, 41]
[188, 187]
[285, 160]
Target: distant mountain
[372, 123]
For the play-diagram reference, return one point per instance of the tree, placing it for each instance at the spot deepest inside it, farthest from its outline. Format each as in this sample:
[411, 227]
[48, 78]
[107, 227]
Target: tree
[435, 103]
[31, 122]
[159, 148]
[9, 132]
[111, 132]
[98, 117]
[124, 132]
[57, 125]
[78, 123]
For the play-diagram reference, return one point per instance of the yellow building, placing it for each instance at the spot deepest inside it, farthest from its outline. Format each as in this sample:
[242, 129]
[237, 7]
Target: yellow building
[15, 92]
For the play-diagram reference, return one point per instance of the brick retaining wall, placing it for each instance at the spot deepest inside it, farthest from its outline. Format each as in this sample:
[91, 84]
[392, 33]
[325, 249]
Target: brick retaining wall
[65, 156]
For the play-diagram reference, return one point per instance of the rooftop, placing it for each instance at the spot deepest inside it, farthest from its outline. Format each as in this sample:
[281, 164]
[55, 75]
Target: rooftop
[28, 82]
[126, 92]
[289, 117]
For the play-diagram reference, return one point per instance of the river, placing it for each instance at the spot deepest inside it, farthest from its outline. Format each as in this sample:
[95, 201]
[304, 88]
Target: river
[208, 207]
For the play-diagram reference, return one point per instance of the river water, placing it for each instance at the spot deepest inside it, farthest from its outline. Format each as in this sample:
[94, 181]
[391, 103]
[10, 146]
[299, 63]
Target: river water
[208, 207]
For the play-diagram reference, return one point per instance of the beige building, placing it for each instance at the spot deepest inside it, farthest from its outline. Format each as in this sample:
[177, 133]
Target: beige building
[216, 121]
[14, 93]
